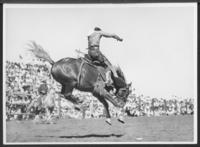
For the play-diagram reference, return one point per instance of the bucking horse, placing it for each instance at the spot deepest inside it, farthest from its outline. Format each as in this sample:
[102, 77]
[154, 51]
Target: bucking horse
[84, 75]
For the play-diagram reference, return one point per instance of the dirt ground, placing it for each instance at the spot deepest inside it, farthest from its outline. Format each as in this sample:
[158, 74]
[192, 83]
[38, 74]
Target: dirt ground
[136, 129]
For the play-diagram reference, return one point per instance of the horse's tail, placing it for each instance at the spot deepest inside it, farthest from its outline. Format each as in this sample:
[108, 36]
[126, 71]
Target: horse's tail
[39, 52]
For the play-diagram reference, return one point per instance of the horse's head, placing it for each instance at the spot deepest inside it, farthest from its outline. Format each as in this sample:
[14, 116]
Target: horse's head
[122, 88]
[123, 93]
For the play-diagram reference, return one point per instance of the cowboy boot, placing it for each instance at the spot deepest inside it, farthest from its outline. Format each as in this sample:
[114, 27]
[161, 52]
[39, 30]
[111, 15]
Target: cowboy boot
[109, 80]
[112, 69]
[114, 72]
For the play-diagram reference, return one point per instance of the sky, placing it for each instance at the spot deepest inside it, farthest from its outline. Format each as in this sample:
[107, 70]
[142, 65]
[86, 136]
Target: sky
[158, 52]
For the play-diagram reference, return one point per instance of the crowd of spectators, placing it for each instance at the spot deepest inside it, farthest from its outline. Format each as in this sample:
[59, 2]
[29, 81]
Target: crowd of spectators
[22, 83]
[147, 106]
[23, 80]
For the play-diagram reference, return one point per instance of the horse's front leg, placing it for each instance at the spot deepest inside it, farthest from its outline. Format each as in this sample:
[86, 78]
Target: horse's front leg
[120, 107]
[121, 113]
[106, 106]
[102, 94]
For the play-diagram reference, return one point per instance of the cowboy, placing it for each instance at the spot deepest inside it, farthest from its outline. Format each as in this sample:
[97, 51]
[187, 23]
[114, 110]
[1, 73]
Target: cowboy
[95, 53]
[43, 89]
[37, 103]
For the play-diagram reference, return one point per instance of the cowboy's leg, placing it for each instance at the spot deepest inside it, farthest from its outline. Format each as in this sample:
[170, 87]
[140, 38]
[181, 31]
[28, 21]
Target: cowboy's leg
[51, 109]
[49, 117]
[111, 68]
[105, 61]
[93, 54]
[37, 118]
[108, 77]
[45, 114]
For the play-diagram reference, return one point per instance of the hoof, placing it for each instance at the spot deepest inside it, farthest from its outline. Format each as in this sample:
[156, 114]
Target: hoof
[108, 121]
[121, 120]
[77, 108]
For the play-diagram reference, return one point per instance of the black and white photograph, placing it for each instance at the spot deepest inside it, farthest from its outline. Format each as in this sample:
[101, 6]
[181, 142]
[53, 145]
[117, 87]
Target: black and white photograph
[100, 73]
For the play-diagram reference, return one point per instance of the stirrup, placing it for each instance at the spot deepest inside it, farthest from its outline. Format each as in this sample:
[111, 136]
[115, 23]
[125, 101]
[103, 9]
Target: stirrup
[109, 83]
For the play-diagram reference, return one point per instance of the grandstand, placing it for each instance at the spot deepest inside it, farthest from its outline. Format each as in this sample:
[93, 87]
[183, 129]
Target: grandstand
[23, 80]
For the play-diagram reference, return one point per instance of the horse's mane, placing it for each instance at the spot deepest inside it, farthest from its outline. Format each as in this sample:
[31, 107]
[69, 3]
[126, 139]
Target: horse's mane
[120, 73]
[121, 81]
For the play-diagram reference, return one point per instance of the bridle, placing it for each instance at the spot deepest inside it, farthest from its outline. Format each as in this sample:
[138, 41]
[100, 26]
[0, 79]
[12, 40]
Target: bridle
[123, 94]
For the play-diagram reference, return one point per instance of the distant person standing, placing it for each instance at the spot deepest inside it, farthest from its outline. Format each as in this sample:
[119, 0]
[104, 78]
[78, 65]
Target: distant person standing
[37, 103]
[43, 89]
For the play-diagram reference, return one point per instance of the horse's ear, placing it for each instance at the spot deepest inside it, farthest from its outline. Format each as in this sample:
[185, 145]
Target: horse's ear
[130, 87]
[130, 84]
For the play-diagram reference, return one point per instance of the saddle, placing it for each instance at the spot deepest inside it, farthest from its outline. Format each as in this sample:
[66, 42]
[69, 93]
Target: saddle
[96, 64]
[101, 67]
[101, 79]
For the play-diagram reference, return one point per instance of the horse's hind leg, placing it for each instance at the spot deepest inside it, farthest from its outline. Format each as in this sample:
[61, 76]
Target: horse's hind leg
[67, 92]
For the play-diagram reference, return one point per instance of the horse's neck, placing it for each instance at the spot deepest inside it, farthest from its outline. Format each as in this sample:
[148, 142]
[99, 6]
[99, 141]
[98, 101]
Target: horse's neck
[119, 82]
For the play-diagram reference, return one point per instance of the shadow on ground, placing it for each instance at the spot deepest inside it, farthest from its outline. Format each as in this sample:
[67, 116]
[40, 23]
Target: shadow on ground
[86, 136]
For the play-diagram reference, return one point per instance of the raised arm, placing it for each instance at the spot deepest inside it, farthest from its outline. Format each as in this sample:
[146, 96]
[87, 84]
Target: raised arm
[109, 35]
